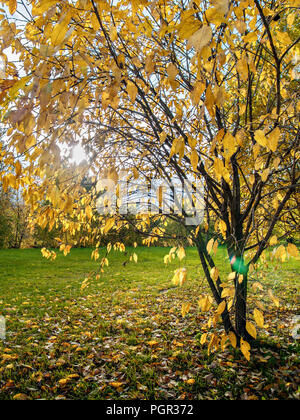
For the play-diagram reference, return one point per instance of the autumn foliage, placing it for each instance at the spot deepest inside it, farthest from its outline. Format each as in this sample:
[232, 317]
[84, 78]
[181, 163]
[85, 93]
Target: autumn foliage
[205, 89]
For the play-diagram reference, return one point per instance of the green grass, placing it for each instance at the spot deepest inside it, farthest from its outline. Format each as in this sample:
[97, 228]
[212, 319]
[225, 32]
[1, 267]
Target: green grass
[123, 337]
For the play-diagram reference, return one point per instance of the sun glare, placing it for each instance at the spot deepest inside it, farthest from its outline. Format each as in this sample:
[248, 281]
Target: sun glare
[78, 155]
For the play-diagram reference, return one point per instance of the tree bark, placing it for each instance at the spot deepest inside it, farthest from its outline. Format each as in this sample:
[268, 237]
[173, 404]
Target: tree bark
[241, 308]
[225, 315]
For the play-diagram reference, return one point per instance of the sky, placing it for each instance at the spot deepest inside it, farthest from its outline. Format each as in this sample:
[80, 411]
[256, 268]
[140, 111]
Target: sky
[78, 155]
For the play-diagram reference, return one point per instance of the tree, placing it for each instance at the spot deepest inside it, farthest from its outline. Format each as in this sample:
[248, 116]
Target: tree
[13, 220]
[13, 212]
[4, 221]
[5, 198]
[205, 90]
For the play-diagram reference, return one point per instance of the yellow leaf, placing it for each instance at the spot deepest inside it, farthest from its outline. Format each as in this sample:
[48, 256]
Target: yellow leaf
[185, 309]
[265, 174]
[152, 343]
[178, 147]
[273, 298]
[167, 259]
[256, 285]
[219, 168]
[273, 139]
[295, 3]
[215, 247]
[63, 382]
[190, 381]
[241, 26]
[227, 292]
[20, 397]
[162, 137]
[251, 329]
[135, 172]
[74, 375]
[205, 303]
[108, 225]
[10, 366]
[232, 338]
[172, 72]
[280, 253]
[284, 38]
[179, 277]
[242, 68]
[221, 6]
[96, 24]
[223, 228]
[132, 91]
[213, 344]
[18, 169]
[258, 317]
[250, 37]
[273, 240]
[201, 38]
[210, 100]
[223, 343]
[149, 64]
[256, 149]
[217, 13]
[113, 32]
[230, 144]
[290, 19]
[194, 159]
[232, 276]
[89, 212]
[214, 273]
[196, 93]
[203, 339]
[221, 308]
[116, 384]
[136, 61]
[292, 250]
[261, 138]
[43, 7]
[245, 348]
[59, 31]
[276, 162]
[104, 261]
[181, 253]
[95, 255]
[210, 245]
[12, 6]
[19, 85]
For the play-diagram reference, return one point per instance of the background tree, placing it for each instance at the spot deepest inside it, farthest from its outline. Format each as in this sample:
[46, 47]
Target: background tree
[5, 205]
[4, 220]
[13, 212]
[203, 89]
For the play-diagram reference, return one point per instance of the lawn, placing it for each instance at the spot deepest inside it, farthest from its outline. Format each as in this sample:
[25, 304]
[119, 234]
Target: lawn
[124, 337]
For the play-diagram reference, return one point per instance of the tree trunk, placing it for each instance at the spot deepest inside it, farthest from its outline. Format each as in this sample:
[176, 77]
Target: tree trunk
[225, 315]
[241, 307]
[241, 310]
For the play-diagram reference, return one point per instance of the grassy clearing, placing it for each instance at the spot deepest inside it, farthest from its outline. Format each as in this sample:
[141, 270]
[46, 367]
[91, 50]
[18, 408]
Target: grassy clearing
[124, 336]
